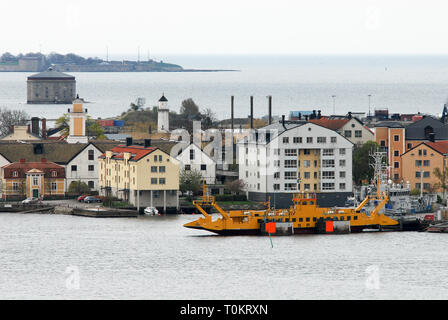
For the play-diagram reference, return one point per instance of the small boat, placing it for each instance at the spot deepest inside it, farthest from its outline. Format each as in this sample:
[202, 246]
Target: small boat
[151, 211]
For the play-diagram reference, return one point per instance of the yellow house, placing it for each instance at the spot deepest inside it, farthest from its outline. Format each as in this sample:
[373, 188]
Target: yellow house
[32, 179]
[419, 164]
[142, 175]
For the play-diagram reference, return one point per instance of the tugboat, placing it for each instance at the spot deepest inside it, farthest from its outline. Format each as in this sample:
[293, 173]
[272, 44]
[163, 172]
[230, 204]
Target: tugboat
[305, 216]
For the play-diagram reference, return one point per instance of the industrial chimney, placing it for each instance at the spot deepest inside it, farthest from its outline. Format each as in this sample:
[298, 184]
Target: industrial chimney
[251, 112]
[270, 110]
[231, 112]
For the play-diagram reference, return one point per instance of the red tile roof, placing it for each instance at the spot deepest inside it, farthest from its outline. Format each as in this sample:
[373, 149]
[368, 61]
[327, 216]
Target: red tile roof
[440, 146]
[23, 167]
[333, 124]
[137, 152]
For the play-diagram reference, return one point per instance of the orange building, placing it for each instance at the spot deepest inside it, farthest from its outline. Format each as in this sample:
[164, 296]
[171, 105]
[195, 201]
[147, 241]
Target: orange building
[419, 164]
[32, 179]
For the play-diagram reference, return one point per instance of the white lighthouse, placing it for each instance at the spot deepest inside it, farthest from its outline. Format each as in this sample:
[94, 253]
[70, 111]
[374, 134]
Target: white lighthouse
[163, 119]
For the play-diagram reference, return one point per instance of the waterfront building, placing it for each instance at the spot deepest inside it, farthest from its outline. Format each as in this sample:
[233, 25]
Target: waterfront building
[142, 175]
[51, 86]
[287, 157]
[32, 179]
[396, 139]
[351, 127]
[163, 115]
[419, 163]
[193, 158]
[80, 160]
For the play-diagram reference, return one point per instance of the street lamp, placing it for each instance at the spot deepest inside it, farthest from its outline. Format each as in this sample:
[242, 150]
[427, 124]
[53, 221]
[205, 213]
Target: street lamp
[369, 103]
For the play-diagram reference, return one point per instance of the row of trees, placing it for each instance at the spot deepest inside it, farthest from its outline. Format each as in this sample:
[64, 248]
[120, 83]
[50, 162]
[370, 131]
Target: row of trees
[190, 181]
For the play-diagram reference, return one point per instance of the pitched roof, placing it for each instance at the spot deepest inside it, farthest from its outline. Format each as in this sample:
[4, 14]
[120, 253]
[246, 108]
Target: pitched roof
[23, 168]
[51, 74]
[332, 124]
[440, 146]
[163, 98]
[56, 151]
[416, 130]
[137, 152]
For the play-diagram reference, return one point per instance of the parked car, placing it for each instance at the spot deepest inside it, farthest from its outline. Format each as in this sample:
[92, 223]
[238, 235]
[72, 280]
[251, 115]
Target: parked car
[151, 211]
[30, 200]
[90, 199]
[82, 197]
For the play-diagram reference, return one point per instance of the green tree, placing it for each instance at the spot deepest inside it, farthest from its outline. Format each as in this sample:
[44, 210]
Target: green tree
[190, 110]
[63, 123]
[78, 187]
[236, 186]
[361, 168]
[94, 130]
[442, 175]
[190, 180]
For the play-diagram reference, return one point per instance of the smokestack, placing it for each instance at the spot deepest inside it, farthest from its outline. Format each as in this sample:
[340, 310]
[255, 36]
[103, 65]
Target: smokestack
[147, 143]
[270, 110]
[283, 121]
[319, 115]
[128, 141]
[231, 111]
[35, 126]
[44, 128]
[27, 130]
[251, 112]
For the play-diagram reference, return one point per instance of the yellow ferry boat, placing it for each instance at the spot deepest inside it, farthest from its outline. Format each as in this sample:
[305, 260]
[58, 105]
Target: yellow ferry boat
[303, 217]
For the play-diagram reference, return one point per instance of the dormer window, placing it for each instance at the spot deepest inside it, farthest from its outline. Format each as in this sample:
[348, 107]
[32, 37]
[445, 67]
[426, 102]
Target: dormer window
[428, 131]
[54, 173]
[15, 174]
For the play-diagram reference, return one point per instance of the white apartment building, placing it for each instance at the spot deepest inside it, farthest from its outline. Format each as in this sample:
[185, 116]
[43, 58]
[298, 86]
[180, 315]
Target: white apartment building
[287, 157]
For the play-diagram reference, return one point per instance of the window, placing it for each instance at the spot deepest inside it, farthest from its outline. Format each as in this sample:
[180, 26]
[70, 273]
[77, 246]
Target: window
[54, 173]
[306, 151]
[160, 158]
[342, 151]
[333, 139]
[417, 186]
[307, 163]
[35, 180]
[424, 152]
[342, 186]
[328, 152]
[426, 186]
[315, 175]
[276, 175]
[258, 186]
[321, 139]
[342, 163]
[91, 155]
[309, 140]
[426, 163]
[327, 174]
[247, 174]
[54, 186]
[285, 139]
[290, 186]
[276, 186]
[91, 184]
[306, 186]
[358, 134]
[327, 186]
[192, 154]
[155, 158]
[409, 145]
[426, 174]
[396, 164]
[396, 176]
[291, 152]
[277, 152]
[382, 143]
[162, 181]
[290, 175]
[153, 169]
[396, 153]
[418, 163]
[396, 137]
[306, 175]
[91, 167]
[187, 167]
[153, 180]
[74, 168]
[290, 163]
[162, 169]
[297, 139]
[342, 174]
[15, 186]
[328, 163]
[15, 174]
[347, 134]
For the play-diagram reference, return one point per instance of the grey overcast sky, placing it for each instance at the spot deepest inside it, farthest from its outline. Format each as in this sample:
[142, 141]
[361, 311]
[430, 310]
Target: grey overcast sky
[225, 27]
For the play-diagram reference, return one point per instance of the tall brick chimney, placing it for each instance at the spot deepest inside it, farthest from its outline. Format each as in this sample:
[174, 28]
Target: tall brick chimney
[44, 128]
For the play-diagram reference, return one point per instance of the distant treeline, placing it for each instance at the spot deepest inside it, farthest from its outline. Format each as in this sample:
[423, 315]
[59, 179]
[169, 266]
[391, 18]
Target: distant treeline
[52, 58]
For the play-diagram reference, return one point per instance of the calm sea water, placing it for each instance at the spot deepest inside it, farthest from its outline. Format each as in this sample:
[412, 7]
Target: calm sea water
[401, 83]
[157, 258]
